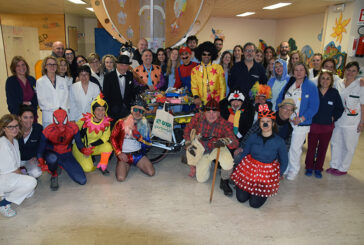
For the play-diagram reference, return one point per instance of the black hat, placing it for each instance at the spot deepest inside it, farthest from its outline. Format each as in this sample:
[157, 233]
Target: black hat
[123, 59]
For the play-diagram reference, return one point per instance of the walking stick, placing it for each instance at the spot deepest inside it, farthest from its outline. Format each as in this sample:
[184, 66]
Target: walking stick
[214, 177]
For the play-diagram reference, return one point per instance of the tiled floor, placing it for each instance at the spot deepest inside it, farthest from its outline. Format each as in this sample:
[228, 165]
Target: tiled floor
[172, 208]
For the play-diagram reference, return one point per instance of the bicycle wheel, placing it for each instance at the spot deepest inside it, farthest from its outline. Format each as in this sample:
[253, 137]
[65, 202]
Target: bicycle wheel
[156, 154]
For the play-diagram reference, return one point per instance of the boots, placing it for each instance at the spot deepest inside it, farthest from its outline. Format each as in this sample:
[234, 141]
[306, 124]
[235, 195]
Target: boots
[224, 185]
[54, 183]
[102, 165]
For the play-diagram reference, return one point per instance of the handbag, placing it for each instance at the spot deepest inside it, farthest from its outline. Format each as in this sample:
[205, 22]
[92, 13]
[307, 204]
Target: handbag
[163, 125]
[196, 150]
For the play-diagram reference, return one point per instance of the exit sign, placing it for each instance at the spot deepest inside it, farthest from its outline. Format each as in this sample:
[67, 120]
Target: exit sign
[361, 17]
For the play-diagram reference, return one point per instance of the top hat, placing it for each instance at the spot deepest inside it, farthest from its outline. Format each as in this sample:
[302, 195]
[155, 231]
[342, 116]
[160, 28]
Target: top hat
[123, 59]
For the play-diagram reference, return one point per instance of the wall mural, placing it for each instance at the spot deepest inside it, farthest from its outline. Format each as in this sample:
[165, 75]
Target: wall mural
[339, 28]
[262, 45]
[331, 50]
[307, 53]
[217, 34]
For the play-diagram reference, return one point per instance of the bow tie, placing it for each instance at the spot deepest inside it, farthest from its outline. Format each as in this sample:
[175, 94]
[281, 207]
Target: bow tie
[122, 75]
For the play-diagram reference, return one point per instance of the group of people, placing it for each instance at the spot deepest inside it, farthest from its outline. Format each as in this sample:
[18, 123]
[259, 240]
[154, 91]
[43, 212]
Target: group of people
[253, 108]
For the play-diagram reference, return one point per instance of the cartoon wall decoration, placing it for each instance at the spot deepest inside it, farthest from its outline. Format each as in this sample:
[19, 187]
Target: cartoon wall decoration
[173, 20]
[339, 28]
[292, 44]
[217, 34]
[331, 50]
[307, 53]
[262, 45]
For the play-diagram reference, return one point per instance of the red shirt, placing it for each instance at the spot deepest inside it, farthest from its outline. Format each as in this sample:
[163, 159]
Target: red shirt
[185, 72]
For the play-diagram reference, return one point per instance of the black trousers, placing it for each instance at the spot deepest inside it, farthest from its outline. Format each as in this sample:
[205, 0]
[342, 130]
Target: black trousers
[254, 201]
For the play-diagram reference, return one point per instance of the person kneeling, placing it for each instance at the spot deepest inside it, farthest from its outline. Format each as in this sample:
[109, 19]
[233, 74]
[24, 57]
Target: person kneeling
[130, 138]
[264, 160]
[212, 132]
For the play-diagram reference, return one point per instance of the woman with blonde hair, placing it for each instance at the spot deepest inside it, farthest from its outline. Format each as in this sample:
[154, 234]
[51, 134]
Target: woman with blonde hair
[52, 90]
[226, 61]
[64, 71]
[14, 186]
[294, 57]
[172, 64]
[109, 63]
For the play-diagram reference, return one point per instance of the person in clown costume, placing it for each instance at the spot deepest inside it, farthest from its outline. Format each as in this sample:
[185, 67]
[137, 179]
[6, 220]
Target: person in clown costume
[207, 79]
[238, 110]
[95, 131]
[262, 162]
[130, 139]
[260, 93]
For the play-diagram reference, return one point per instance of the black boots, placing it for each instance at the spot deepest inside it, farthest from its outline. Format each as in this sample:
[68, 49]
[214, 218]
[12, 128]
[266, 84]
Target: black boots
[54, 183]
[224, 185]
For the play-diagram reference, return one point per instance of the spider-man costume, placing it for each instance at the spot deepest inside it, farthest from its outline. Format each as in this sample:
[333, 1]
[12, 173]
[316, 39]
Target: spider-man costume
[55, 147]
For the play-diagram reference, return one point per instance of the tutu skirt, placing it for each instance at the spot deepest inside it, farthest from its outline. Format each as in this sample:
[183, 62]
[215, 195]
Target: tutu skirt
[257, 178]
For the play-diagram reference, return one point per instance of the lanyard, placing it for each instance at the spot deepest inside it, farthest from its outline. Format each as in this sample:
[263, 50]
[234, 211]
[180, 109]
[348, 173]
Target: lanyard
[150, 82]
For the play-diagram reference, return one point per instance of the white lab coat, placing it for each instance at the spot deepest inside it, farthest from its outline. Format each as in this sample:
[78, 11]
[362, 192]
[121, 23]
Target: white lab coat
[50, 98]
[345, 137]
[13, 187]
[81, 102]
[99, 78]
[337, 79]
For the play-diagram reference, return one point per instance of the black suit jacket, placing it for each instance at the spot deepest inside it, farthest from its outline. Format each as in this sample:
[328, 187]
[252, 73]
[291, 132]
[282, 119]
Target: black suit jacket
[119, 106]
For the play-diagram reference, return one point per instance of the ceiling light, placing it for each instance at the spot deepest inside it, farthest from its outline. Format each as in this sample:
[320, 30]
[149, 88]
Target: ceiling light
[77, 1]
[91, 9]
[245, 14]
[278, 5]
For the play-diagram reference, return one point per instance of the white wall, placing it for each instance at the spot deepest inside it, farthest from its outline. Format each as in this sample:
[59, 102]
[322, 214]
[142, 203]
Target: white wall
[89, 26]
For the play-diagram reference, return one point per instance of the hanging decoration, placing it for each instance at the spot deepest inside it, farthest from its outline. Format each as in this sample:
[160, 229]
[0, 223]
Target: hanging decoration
[339, 28]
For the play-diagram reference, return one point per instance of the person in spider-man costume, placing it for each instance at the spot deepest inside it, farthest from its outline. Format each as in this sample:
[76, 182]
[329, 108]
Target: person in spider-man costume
[55, 149]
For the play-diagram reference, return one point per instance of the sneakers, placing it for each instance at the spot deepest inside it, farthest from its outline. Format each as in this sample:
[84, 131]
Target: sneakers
[329, 170]
[291, 176]
[335, 172]
[7, 211]
[308, 172]
[54, 183]
[104, 172]
[318, 174]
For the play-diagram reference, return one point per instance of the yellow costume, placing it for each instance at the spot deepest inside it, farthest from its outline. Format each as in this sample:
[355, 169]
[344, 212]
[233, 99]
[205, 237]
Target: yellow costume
[208, 82]
[94, 134]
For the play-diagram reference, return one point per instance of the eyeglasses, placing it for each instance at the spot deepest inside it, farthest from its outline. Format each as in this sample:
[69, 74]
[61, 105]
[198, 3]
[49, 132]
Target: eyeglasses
[141, 111]
[13, 127]
[211, 109]
[81, 61]
[206, 54]
[249, 51]
[286, 109]
[54, 65]
[68, 54]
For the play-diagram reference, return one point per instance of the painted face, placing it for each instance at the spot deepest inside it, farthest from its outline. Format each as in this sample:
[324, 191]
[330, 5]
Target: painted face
[284, 48]
[295, 58]
[161, 56]
[186, 57]
[249, 53]
[84, 76]
[62, 68]
[278, 69]
[325, 80]
[316, 62]
[174, 55]
[259, 57]
[227, 59]
[299, 72]
[27, 120]
[236, 104]
[99, 113]
[268, 54]
[218, 45]
[285, 111]
[147, 58]
[95, 65]
[80, 61]
[109, 64]
[51, 66]
[137, 112]
[69, 56]
[351, 73]
[12, 130]
[238, 52]
[21, 68]
[206, 57]
[211, 116]
[265, 124]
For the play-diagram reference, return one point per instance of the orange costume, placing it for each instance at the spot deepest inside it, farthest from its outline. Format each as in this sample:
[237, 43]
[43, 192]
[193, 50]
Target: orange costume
[152, 77]
[208, 82]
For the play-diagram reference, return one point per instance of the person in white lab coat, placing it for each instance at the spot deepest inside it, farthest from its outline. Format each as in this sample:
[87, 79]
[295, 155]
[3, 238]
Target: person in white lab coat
[347, 129]
[64, 71]
[82, 94]
[52, 90]
[14, 186]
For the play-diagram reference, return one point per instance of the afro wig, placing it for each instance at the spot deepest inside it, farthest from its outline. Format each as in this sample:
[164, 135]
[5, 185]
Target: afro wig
[261, 89]
[206, 47]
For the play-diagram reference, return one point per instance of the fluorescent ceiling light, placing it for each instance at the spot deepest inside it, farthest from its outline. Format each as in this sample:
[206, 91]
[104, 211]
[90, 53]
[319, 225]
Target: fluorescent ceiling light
[91, 9]
[245, 14]
[278, 5]
[77, 1]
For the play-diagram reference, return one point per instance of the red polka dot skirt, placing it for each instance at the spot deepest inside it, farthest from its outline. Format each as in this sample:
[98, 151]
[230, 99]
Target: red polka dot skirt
[257, 178]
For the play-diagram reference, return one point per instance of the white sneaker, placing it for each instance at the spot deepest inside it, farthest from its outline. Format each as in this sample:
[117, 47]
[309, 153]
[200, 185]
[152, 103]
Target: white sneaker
[7, 211]
[291, 176]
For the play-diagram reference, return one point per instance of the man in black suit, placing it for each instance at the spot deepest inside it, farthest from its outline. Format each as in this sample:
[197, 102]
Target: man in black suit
[120, 89]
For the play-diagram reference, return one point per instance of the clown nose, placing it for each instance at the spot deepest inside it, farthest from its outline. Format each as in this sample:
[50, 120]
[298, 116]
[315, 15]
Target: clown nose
[265, 125]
